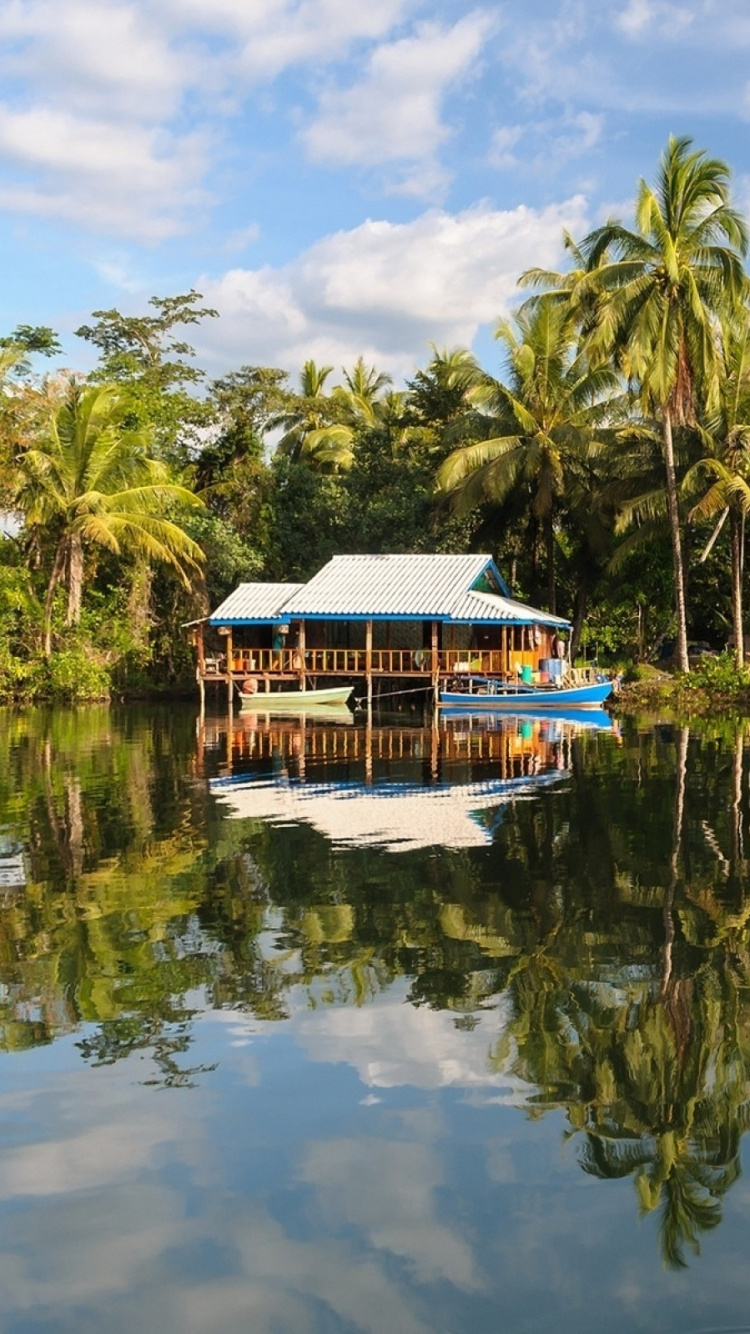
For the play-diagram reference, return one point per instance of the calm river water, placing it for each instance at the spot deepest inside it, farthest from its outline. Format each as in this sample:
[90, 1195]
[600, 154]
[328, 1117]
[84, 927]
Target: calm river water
[415, 1030]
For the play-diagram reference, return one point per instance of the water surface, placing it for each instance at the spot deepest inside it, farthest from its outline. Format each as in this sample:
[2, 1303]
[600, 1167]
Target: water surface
[310, 1027]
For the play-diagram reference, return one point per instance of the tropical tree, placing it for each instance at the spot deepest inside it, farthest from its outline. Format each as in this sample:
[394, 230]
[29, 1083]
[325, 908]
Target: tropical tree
[89, 483]
[542, 428]
[149, 357]
[666, 284]
[310, 410]
[726, 468]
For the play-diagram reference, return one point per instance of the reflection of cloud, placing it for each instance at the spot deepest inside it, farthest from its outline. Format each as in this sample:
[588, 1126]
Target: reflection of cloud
[393, 1044]
[394, 1203]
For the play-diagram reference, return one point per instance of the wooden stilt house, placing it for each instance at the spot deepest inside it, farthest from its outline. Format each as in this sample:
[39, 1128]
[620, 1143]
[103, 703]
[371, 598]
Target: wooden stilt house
[416, 619]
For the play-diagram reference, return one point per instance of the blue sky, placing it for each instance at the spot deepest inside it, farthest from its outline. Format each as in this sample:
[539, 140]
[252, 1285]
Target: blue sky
[338, 176]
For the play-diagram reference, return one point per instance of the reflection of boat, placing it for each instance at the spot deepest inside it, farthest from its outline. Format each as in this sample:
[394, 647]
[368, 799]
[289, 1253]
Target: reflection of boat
[258, 713]
[395, 816]
[587, 718]
[296, 700]
[518, 697]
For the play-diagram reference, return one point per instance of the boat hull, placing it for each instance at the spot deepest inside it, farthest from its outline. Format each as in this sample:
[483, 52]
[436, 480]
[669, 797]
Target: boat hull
[520, 699]
[293, 700]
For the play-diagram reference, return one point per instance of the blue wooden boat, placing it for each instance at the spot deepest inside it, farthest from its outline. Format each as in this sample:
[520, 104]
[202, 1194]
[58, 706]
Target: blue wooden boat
[518, 697]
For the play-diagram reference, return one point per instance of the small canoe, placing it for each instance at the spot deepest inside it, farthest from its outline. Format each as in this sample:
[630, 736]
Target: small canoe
[485, 694]
[274, 701]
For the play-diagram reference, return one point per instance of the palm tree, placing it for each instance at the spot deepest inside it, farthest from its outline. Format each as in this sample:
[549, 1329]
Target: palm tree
[666, 284]
[310, 411]
[545, 426]
[726, 436]
[90, 483]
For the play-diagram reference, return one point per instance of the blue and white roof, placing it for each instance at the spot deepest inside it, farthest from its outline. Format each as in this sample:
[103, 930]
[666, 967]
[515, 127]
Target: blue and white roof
[388, 587]
[253, 602]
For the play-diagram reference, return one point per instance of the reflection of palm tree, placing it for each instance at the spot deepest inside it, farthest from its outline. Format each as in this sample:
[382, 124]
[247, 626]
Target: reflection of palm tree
[672, 1125]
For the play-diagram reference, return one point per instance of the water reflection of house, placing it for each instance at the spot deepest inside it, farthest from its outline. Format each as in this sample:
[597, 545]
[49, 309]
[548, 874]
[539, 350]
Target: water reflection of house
[398, 788]
[415, 619]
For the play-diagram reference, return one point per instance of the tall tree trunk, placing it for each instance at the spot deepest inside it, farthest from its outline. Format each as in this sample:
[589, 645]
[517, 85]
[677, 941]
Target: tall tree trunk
[673, 510]
[549, 533]
[737, 616]
[534, 573]
[75, 579]
[578, 618]
[54, 579]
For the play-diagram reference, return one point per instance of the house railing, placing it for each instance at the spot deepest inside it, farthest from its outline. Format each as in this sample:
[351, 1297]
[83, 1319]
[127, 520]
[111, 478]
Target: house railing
[354, 662]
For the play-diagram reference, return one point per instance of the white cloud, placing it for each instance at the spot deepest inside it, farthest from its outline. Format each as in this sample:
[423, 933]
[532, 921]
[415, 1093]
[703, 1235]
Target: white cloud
[640, 17]
[635, 18]
[95, 55]
[504, 140]
[108, 105]
[393, 113]
[385, 289]
[132, 180]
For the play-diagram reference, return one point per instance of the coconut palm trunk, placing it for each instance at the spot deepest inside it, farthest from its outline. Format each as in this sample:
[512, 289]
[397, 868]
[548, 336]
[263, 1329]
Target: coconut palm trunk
[736, 522]
[75, 579]
[58, 566]
[678, 564]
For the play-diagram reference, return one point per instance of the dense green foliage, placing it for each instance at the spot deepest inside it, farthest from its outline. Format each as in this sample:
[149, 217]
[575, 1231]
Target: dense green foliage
[598, 463]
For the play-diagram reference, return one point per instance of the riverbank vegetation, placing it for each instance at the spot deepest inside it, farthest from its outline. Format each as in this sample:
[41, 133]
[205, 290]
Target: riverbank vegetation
[604, 461]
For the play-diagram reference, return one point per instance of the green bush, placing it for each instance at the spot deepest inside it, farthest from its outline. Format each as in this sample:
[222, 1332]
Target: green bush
[718, 675]
[72, 675]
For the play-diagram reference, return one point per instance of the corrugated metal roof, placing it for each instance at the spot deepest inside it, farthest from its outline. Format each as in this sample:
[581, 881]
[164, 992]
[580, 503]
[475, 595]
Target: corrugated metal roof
[402, 587]
[476, 607]
[418, 586]
[254, 602]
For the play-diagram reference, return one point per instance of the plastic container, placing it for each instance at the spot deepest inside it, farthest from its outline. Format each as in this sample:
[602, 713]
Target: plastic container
[527, 675]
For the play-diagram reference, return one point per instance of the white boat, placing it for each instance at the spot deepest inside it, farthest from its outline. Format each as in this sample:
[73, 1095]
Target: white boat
[294, 700]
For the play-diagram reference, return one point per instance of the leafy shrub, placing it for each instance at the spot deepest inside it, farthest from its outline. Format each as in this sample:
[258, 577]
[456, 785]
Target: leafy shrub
[718, 675]
[72, 675]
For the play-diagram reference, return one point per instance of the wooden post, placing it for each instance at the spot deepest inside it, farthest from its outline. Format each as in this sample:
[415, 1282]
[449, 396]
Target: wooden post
[368, 748]
[368, 667]
[230, 664]
[201, 667]
[301, 650]
[435, 661]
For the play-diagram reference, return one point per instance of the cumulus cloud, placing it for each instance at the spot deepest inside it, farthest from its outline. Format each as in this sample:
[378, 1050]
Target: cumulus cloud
[116, 177]
[94, 55]
[111, 108]
[385, 289]
[393, 112]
